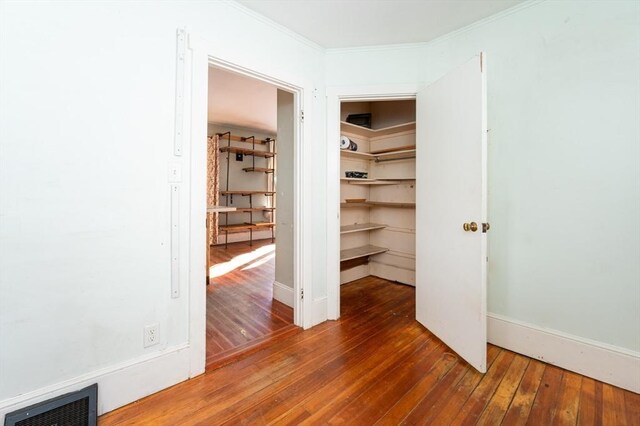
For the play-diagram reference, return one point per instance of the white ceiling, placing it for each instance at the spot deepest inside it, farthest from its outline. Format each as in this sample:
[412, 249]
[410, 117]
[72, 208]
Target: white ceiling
[245, 102]
[354, 23]
[242, 102]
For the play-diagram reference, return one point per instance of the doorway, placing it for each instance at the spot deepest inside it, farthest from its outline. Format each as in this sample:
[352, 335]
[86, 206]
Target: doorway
[250, 210]
[450, 203]
[377, 190]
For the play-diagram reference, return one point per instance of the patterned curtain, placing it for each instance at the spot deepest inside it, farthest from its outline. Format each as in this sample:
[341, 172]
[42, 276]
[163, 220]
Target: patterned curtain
[213, 184]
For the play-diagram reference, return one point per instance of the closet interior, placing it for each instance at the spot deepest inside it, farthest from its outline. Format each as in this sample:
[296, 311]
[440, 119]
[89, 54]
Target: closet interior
[377, 190]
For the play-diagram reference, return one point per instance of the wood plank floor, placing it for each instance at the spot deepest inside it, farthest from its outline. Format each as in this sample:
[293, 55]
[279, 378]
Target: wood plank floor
[241, 312]
[377, 366]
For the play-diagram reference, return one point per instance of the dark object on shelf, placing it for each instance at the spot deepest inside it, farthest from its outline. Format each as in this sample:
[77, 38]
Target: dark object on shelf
[363, 120]
[358, 175]
[353, 146]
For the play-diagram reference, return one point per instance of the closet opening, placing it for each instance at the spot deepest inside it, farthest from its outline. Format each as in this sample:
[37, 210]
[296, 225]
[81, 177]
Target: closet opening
[250, 210]
[377, 195]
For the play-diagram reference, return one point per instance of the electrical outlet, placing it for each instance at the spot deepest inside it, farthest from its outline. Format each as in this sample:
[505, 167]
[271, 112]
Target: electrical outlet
[151, 336]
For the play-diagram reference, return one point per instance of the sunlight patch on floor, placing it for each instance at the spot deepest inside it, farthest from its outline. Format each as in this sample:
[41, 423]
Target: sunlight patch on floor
[240, 260]
[259, 262]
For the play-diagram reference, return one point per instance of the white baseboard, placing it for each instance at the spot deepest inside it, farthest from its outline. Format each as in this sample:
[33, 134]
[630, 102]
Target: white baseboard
[610, 364]
[393, 273]
[117, 385]
[353, 274]
[283, 293]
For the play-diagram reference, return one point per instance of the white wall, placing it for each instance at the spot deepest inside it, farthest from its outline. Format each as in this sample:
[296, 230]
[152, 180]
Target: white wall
[285, 197]
[86, 132]
[87, 96]
[564, 175]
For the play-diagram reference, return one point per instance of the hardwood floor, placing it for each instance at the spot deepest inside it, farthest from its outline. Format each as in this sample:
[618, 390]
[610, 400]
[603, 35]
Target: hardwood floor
[241, 313]
[376, 365]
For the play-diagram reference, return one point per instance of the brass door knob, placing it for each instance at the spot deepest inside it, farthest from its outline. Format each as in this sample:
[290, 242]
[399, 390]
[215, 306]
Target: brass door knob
[485, 227]
[473, 227]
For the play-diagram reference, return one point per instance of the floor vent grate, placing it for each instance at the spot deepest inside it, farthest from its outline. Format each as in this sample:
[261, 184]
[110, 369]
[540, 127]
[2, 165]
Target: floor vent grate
[72, 409]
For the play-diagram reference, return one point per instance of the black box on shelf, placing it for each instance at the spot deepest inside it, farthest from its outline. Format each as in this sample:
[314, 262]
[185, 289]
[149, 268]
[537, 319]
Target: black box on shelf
[354, 174]
[363, 120]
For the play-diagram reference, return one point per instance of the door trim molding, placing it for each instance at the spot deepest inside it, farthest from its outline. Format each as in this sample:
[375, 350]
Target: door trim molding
[204, 55]
[607, 363]
[335, 95]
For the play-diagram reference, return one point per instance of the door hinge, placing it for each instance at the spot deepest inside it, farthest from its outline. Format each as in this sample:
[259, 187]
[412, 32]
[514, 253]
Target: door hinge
[302, 116]
[302, 294]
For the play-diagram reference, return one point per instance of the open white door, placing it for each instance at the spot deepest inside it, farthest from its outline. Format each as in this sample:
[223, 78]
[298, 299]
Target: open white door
[451, 272]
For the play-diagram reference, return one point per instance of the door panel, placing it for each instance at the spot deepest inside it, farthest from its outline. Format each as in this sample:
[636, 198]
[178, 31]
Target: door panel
[450, 191]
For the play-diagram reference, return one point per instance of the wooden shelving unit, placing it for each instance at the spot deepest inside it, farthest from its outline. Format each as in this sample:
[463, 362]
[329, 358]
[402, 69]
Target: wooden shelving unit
[269, 169]
[388, 156]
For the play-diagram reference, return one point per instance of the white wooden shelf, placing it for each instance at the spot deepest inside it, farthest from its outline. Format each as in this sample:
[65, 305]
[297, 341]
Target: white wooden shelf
[345, 179]
[392, 204]
[358, 155]
[385, 156]
[384, 181]
[371, 133]
[370, 204]
[395, 155]
[360, 227]
[358, 181]
[362, 251]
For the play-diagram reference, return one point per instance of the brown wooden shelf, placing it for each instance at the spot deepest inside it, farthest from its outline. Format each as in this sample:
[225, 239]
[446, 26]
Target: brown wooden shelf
[246, 151]
[258, 169]
[247, 192]
[238, 227]
[252, 209]
[244, 139]
[362, 251]
[244, 227]
[263, 224]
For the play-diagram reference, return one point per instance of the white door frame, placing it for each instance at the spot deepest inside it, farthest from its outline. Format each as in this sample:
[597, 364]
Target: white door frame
[335, 96]
[203, 55]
